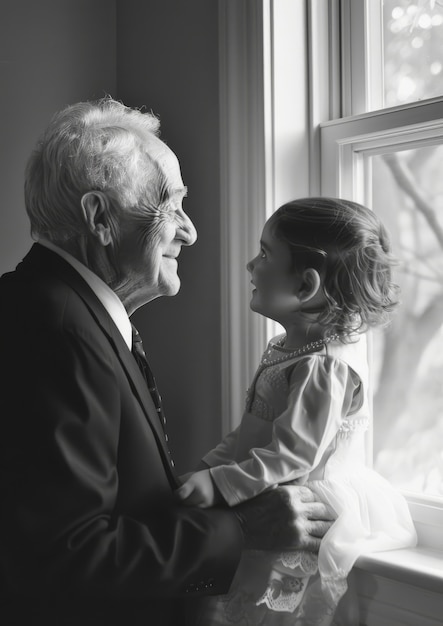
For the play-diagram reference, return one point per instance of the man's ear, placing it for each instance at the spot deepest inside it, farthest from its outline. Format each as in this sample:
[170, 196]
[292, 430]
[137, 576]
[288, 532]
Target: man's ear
[95, 207]
[309, 285]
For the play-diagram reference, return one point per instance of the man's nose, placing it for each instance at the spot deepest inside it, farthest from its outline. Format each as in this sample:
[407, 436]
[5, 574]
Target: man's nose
[186, 231]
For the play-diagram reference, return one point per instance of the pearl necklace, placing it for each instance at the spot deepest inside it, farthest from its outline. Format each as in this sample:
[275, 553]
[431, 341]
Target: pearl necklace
[309, 347]
[266, 361]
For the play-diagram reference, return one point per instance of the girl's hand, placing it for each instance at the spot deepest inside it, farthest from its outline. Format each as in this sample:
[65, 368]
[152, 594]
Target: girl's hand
[199, 490]
[184, 477]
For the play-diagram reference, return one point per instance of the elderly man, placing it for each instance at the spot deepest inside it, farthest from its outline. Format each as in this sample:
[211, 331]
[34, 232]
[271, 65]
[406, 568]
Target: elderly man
[91, 532]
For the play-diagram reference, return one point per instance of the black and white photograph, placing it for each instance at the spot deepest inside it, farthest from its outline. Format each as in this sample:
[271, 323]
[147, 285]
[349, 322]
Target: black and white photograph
[221, 313]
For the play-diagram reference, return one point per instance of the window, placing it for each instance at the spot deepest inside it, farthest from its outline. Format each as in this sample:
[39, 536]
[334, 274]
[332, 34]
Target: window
[369, 152]
[407, 191]
[303, 115]
[389, 158]
[400, 45]
[412, 50]
[265, 145]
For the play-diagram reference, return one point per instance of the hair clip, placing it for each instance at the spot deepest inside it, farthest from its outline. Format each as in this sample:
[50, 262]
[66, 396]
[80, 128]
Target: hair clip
[310, 248]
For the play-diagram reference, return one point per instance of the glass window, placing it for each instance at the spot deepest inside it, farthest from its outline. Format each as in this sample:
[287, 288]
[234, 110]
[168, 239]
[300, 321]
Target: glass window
[386, 152]
[407, 192]
[413, 50]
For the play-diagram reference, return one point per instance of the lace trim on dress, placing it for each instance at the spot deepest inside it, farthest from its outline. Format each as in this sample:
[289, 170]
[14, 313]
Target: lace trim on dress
[287, 584]
[261, 409]
[307, 561]
[275, 378]
[349, 426]
[285, 594]
[334, 587]
[276, 381]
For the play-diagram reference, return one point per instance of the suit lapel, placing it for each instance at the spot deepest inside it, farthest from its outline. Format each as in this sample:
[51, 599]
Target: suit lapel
[45, 260]
[140, 389]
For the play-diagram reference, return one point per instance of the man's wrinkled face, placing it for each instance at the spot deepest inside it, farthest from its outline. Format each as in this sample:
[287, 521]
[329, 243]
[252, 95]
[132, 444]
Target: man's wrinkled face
[151, 239]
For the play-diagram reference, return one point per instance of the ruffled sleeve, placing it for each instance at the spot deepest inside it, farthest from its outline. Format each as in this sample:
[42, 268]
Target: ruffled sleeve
[321, 391]
[225, 451]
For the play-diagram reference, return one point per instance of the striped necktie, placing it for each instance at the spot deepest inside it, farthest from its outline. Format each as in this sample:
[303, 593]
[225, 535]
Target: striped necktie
[142, 362]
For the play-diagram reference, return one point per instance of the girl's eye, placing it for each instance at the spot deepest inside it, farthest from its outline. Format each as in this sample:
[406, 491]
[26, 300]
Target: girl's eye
[262, 254]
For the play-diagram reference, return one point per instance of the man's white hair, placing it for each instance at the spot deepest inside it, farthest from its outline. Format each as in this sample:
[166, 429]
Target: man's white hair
[89, 146]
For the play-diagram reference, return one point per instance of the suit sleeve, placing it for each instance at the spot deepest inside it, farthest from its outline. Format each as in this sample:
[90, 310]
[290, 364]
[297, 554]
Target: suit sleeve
[320, 394]
[67, 530]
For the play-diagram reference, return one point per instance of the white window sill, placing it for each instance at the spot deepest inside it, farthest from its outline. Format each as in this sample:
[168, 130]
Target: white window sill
[421, 567]
[401, 587]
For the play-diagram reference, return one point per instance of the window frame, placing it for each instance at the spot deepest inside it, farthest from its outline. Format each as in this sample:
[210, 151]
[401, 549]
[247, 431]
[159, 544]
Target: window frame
[397, 588]
[345, 142]
[244, 184]
[401, 587]
[270, 113]
[266, 145]
[255, 117]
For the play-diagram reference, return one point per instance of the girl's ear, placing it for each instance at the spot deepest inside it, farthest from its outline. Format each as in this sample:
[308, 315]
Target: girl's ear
[309, 285]
[95, 212]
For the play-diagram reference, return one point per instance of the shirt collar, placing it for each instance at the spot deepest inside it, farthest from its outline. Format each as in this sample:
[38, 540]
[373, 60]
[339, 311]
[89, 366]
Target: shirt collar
[107, 297]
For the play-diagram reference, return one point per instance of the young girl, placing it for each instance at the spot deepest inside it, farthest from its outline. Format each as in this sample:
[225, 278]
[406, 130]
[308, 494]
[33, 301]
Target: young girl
[324, 273]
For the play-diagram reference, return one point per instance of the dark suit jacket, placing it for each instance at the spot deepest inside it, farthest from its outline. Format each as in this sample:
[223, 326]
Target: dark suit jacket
[90, 533]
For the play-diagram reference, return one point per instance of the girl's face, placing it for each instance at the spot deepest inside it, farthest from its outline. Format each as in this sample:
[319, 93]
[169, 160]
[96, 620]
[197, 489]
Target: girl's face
[274, 279]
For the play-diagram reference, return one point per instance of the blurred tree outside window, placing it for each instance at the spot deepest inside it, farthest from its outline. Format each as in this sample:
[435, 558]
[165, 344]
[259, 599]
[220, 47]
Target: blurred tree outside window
[408, 402]
[412, 50]
[407, 192]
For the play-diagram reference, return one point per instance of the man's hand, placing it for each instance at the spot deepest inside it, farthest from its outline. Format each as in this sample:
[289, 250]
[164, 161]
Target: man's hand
[199, 490]
[285, 518]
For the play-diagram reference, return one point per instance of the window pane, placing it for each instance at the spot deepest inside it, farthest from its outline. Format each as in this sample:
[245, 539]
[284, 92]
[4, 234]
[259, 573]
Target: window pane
[413, 50]
[407, 191]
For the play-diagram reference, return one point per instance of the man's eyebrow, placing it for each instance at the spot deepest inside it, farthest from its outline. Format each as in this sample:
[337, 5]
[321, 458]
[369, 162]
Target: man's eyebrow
[179, 191]
[168, 192]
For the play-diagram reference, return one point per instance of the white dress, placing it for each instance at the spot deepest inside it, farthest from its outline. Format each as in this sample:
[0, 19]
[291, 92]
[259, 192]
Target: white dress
[305, 420]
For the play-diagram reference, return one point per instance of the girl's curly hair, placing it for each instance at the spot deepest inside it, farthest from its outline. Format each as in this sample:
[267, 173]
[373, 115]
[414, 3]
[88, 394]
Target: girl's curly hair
[350, 248]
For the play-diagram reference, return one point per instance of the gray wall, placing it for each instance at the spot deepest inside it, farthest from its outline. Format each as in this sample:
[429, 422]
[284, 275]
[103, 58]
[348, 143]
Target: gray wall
[162, 54]
[52, 53]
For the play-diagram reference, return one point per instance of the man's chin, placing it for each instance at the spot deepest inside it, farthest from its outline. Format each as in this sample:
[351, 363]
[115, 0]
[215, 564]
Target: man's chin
[172, 289]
